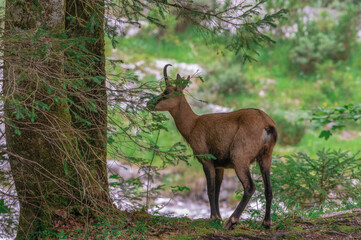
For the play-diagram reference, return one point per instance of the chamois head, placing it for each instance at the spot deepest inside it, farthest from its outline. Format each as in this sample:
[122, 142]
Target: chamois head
[171, 96]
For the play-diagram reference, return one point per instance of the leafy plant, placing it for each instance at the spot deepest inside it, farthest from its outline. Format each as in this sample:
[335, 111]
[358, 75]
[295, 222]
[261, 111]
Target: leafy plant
[337, 116]
[329, 177]
[324, 39]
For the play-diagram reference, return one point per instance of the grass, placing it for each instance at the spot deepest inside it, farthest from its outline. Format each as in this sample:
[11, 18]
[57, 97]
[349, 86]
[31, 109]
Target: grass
[311, 143]
[148, 47]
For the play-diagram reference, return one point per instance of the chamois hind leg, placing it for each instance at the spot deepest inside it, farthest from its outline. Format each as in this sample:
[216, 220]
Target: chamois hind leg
[265, 167]
[219, 179]
[249, 188]
[210, 172]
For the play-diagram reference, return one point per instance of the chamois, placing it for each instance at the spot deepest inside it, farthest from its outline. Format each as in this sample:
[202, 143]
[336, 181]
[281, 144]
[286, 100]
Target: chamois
[235, 139]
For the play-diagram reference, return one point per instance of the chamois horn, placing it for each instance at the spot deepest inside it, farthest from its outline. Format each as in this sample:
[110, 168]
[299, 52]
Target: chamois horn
[165, 74]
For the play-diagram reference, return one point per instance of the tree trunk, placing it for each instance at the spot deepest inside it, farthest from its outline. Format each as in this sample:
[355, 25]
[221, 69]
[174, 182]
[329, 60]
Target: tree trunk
[85, 28]
[55, 134]
[37, 129]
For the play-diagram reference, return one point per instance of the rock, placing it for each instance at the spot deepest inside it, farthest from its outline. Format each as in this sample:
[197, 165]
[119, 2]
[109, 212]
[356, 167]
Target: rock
[262, 93]
[334, 214]
[125, 171]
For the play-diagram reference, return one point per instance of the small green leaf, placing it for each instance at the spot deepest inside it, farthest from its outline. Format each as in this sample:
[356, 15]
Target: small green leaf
[180, 188]
[325, 134]
[115, 176]
[3, 207]
[209, 156]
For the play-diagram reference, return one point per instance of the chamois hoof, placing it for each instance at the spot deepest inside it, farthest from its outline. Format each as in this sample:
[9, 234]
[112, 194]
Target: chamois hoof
[231, 222]
[267, 224]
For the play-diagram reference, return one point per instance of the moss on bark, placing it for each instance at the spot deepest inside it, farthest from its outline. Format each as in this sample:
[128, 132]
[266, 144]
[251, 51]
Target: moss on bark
[85, 27]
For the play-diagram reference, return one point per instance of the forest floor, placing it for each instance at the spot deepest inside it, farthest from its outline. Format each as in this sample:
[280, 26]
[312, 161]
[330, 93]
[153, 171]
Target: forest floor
[141, 225]
[339, 225]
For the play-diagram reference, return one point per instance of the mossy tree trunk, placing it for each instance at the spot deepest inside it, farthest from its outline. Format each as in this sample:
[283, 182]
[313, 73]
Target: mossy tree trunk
[37, 130]
[85, 28]
[55, 135]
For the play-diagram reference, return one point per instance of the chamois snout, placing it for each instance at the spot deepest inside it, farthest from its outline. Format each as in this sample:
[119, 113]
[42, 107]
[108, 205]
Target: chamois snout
[151, 104]
[163, 102]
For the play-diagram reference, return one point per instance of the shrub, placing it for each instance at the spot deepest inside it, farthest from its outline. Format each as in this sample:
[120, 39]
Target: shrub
[289, 132]
[324, 39]
[331, 176]
[315, 48]
[227, 80]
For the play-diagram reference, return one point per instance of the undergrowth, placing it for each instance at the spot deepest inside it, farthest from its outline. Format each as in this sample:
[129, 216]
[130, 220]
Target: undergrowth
[141, 225]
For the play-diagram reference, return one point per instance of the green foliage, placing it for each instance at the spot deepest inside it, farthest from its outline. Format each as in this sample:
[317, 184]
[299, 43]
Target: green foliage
[329, 177]
[310, 50]
[324, 39]
[236, 25]
[179, 188]
[139, 127]
[167, 33]
[206, 156]
[289, 132]
[337, 117]
[128, 191]
[248, 36]
[227, 80]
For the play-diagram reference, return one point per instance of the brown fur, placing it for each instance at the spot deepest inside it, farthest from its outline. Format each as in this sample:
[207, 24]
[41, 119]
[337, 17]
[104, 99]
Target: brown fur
[236, 139]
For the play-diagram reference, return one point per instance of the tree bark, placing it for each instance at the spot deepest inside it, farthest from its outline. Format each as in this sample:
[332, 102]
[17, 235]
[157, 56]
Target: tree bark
[85, 28]
[55, 134]
[37, 139]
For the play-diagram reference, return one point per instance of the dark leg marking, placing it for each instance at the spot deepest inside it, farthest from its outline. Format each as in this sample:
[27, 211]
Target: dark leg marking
[249, 188]
[209, 171]
[219, 179]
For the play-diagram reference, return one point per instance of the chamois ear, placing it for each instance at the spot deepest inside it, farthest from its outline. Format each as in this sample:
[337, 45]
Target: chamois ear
[178, 76]
[186, 83]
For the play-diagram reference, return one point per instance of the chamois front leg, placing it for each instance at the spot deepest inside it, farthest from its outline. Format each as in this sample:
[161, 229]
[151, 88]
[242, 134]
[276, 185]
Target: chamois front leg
[219, 179]
[210, 172]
